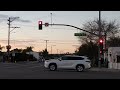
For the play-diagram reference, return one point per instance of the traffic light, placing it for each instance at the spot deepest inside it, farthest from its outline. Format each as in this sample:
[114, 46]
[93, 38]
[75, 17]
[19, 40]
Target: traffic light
[40, 25]
[101, 45]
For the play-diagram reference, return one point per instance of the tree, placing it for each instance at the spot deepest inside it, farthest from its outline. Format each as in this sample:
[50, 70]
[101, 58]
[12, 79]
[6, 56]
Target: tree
[17, 50]
[108, 29]
[90, 42]
[28, 49]
[90, 50]
[45, 54]
[113, 42]
[1, 47]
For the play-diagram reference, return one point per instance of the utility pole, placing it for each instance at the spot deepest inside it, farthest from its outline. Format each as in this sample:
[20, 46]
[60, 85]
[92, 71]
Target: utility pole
[9, 26]
[57, 51]
[8, 47]
[105, 61]
[46, 43]
[99, 55]
[51, 48]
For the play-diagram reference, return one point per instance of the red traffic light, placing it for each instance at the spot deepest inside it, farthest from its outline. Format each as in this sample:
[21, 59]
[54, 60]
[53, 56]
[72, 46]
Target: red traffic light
[100, 51]
[101, 41]
[40, 22]
[40, 25]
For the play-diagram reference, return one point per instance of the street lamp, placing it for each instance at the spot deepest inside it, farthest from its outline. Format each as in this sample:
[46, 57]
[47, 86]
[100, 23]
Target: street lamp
[51, 48]
[99, 55]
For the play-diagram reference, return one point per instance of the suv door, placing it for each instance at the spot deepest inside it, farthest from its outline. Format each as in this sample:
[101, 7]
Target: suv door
[65, 62]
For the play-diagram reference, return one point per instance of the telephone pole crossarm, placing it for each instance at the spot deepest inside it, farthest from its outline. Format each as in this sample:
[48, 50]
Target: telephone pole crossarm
[13, 28]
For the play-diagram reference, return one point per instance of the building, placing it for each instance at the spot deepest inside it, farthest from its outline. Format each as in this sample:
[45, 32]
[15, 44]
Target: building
[35, 54]
[114, 57]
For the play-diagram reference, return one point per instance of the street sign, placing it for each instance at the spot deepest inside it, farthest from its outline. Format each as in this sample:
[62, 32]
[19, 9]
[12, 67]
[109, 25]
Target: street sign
[46, 24]
[79, 34]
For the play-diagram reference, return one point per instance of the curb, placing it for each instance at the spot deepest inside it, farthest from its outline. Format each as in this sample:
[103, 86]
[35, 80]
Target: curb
[104, 70]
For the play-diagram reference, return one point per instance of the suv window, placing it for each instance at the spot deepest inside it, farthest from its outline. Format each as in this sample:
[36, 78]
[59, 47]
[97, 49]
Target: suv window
[64, 58]
[72, 58]
[78, 58]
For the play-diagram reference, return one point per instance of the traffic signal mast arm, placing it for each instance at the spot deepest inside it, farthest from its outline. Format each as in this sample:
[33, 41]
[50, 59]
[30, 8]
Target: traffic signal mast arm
[73, 27]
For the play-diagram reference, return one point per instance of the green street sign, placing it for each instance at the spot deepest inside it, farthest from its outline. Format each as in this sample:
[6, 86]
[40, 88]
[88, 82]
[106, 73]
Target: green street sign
[79, 34]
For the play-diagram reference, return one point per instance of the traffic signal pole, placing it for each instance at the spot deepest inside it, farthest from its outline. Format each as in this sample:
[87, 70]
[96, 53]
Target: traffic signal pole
[98, 35]
[74, 27]
[105, 53]
[99, 55]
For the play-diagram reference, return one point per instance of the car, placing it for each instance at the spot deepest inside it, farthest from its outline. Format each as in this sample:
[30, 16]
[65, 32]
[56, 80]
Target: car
[79, 63]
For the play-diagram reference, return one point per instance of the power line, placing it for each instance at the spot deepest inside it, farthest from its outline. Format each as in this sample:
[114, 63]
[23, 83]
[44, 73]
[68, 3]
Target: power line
[63, 40]
[50, 41]
[60, 40]
[26, 25]
[61, 43]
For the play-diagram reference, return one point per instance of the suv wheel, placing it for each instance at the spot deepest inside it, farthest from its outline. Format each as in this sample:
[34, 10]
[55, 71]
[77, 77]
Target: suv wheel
[52, 67]
[79, 68]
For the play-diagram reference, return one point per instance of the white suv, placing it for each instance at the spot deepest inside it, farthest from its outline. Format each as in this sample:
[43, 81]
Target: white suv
[68, 62]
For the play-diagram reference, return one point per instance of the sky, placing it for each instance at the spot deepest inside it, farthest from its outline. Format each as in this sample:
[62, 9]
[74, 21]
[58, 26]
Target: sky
[61, 38]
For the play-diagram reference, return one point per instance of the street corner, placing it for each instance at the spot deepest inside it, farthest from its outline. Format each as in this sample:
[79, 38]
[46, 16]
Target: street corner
[104, 70]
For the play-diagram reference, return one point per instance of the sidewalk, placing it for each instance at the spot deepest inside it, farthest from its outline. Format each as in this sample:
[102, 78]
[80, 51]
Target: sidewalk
[104, 70]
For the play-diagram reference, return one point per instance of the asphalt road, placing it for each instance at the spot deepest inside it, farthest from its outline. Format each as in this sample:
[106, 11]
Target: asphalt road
[35, 70]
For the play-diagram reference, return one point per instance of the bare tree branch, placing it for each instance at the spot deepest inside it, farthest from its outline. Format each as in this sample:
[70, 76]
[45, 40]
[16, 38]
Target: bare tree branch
[110, 28]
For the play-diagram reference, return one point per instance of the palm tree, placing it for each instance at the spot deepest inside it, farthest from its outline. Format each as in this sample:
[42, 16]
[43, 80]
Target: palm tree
[28, 49]
[1, 47]
[17, 50]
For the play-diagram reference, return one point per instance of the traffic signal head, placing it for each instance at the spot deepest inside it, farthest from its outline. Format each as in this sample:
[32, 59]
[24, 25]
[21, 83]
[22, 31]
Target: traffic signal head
[101, 41]
[101, 51]
[40, 25]
[101, 45]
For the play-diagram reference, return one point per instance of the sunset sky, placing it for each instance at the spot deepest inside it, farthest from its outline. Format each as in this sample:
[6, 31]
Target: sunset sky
[62, 37]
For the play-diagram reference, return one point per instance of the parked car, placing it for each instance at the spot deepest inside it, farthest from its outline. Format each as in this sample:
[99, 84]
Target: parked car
[79, 63]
